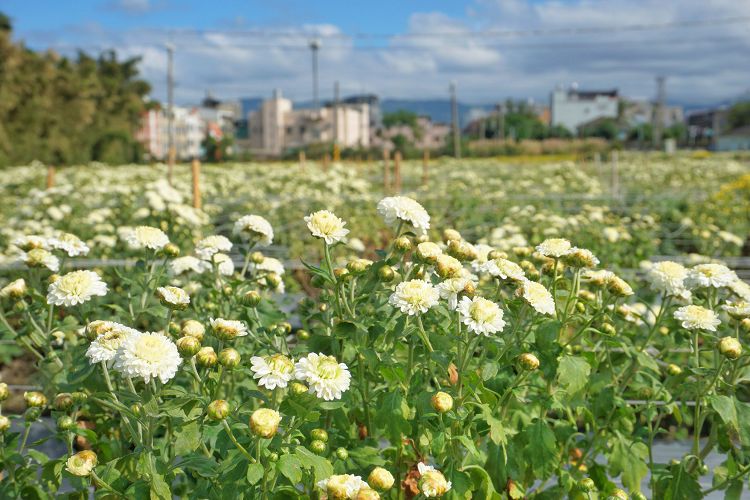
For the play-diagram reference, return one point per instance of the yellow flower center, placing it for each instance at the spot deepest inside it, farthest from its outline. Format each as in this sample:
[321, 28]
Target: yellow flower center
[75, 283]
[327, 223]
[482, 310]
[149, 349]
[280, 363]
[328, 368]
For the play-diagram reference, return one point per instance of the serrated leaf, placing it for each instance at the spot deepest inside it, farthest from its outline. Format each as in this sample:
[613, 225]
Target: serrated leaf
[291, 467]
[254, 473]
[573, 373]
[629, 459]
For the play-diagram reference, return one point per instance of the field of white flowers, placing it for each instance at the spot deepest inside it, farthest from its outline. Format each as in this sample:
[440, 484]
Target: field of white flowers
[480, 329]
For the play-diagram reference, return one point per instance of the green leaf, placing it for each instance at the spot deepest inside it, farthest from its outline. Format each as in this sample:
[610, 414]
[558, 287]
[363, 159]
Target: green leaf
[573, 373]
[187, 438]
[291, 467]
[540, 451]
[724, 406]
[682, 486]
[629, 459]
[254, 473]
[321, 467]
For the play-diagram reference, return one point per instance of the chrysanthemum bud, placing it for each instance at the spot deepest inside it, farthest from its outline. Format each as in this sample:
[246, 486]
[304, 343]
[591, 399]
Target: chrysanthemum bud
[319, 435]
[674, 370]
[359, 266]
[82, 463]
[580, 307]
[341, 273]
[587, 484]
[586, 295]
[66, 423]
[618, 494]
[451, 234]
[442, 402]
[79, 397]
[469, 289]
[173, 297]
[342, 453]
[188, 346]
[15, 290]
[386, 274]
[19, 306]
[367, 494]
[303, 335]
[580, 257]
[257, 257]
[452, 374]
[298, 388]
[4, 391]
[227, 290]
[428, 252]
[496, 254]
[380, 479]
[265, 422]
[206, 357]
[32, 414]
[63, 401]
[192, 328]
[448, 267]
[229, 358]
[609, 328]
[462, 250]
[35, 398]
[171, 250]
[528, 361]
[730, 347]
[323, 307]
[432, 483]
[218, 409]
[137, 409]
[663, 330]
[745, 324]
[637, 495]
[251, 298]
[4, 423]
[318, 447]
[402, 244]
[273, 280]
[273, 457]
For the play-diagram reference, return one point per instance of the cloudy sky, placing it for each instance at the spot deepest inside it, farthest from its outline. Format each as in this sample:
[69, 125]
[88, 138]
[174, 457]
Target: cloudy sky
[492, 49]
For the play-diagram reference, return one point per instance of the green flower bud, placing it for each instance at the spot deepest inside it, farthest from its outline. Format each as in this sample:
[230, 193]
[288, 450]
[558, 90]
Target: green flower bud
[674, 370]
[402, 244]
[273, 457]
[341, 273]
[79, 397]
[496, 254]
[637, 495]
[35, 399]
[229, 358]
[318, 447]
[4, 391]
[251, 298]
[580, 307]
[745, 324]
[265, 422]
[450, 235]
[359, 266]
[273, 280]
[192, 328]
[730, 347]
[227, 290]
[32, 414]
[609, 329]
[319, 435]
[171, 250]
[218, 409]
[323, 307]
[617, 494]
[188, 346]
[137, 409]
[380, 479]
[298, 388]
[66, 423]
[19, 306]
[386, 274]
[63, 401]
[342, 454]
[303, 335]
[587, 484]
[257, 257]
[442, 402]
[206, 357]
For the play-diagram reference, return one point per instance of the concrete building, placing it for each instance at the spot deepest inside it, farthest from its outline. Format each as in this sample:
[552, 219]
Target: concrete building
[637, 112]
[189, 132]
[276, 127]
[572, 108]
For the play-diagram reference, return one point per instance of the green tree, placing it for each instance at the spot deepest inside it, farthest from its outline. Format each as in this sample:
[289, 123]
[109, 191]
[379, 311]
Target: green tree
[739, 115]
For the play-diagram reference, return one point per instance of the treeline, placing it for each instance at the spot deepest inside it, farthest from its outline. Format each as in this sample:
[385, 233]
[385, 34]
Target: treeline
[62, 110]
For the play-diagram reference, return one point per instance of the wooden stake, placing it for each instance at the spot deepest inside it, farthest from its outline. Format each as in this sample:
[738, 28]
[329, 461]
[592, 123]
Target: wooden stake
[50, 176]
[425, 167]
[326, 161]
[397, 171]
[386, 168]
[196, 166]
[336, 153]
[302, 159]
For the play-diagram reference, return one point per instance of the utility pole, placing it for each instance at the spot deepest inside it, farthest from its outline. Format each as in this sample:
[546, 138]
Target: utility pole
[314, 47]
[500, 122]
[454, 121]
[658, 125]
[336, 112]
[172, 153]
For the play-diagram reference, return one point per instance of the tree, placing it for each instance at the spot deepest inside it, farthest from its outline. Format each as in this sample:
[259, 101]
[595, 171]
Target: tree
[739, 115]
[401, 117]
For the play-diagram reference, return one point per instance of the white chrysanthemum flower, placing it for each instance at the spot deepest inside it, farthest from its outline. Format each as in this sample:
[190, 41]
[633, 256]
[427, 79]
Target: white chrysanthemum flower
[268, 265]
[147, 237]
[450, 288]
[538, 297]
[324, 224]
[224, 263]
[31, 241]
[740, 289]
[148, 355]
[229, 328]
[327, 378]
[483, 252]
[255, 226]
[272, 371]
[75, 288]
[342, 486]
[414, 297]
[402, 208]
[14, 289]
[106, 345]
[697, 318]
[580, 257]
[481, 316]
[503, 269]
[210, 245]
[739, 309]
[554, 247]
[39, 257]
[432, 482]
[70, 244]
[188, 263]
[173, 296]
[429, 251]
[711, 275]
[669, 277]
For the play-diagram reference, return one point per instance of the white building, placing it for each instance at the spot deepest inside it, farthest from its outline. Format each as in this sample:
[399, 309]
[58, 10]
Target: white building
[277, 127]
[572, 108]
[638, 112]
[189, 132]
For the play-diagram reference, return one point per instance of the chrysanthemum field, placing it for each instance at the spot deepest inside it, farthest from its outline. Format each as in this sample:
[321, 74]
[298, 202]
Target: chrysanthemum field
[475, 329]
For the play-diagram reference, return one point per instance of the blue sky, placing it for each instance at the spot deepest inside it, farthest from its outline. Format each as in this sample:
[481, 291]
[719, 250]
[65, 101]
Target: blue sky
[492, 49]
